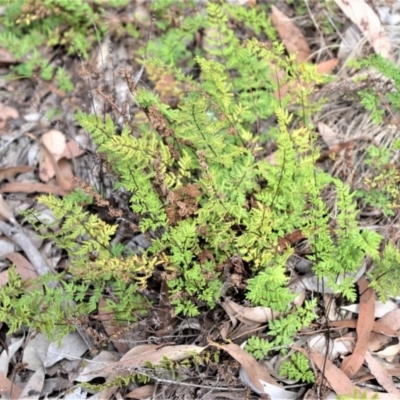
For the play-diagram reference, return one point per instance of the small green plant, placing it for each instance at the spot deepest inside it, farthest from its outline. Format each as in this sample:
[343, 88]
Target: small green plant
[381, 188]
[258, 347]
[204, 192]
[383, 100]
[28, 25]
[297, 368]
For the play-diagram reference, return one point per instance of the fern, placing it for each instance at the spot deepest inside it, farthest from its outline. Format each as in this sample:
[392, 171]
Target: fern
[297, 368]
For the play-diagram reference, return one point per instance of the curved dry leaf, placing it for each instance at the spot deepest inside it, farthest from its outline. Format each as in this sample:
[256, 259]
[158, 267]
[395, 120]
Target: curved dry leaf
[389, 352]
[65, 184]
[5, 212]
[381, 309]
[7, 354]
[392, 321]
[338, 381]
[326, 67]
[381, 375]
[139, 355]
[378, 326]
[107, 319]
[353, 363]
[72, 150]
[35, 187]
[256, 372]
[330, 137]
[71, 347]
[9, 387]
[249, 315]
[290, 34]
[350, 45]
[369, 23]
[335, 348]
[54, 142]
[6, 57]
[34, 386]
[102, 360]
[142, 392]
[24, 268]
[10, 172]
[7, 112]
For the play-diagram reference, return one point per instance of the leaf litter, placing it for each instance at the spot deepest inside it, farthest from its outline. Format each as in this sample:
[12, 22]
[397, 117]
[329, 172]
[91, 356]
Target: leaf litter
[368, 341]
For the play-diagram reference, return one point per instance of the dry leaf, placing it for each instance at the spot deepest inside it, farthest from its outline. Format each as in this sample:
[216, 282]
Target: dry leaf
[290, 34]
[7, 112]
[10, 172]
[34, 386]
[381, 309]
[64, 182]
[335, 348]
[338, 381]
[139, 355]
[256, 373]
[6, 57]
[5, 212]
[326, 67]
[54, 142]
[353, 363]
[35, 187]
[72, 150]
[350, 45]
[378, 327]
[92, 367]
[369, 23]
[107, 319]
[389, 352]
[9, 387]
[24, 267]
[381, 375]
[331, 138]
[249, 315]
[142, 392]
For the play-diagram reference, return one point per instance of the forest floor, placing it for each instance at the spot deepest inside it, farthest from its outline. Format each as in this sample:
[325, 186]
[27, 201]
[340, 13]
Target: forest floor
[35, 110]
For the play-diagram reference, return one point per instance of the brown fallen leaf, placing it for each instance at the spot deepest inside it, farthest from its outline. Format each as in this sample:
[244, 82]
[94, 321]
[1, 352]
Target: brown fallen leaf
[63, 182]
[369, 24]
[7, 112]
[390, 320]
[9, 387]
[378, 327]
[381, 375]
[249, 315]
[291, 35]
[142, 392]
[35, 187]
[6, 57]
[139, 355]
[72, 150]
[24, 268]
[338, 381]
[326, 67]
[107, 319]
[255, 371]
[10, 172]
[52, 146]
[365, 323]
